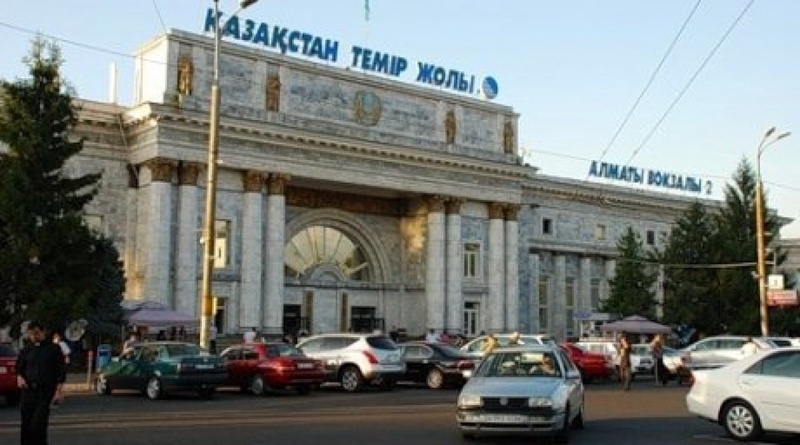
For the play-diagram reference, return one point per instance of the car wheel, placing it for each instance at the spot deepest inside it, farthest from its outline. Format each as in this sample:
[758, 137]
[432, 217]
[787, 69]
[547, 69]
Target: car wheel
[577, 422]
[154, 390]
[741, 421]
[206, 393]
[303, 390]
[562, 435]
[101, 386]
[351, 379]
[257, 385]
[435, 379]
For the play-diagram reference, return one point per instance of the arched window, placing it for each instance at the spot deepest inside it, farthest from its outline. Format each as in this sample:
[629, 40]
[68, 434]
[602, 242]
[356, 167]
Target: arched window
[316, 246]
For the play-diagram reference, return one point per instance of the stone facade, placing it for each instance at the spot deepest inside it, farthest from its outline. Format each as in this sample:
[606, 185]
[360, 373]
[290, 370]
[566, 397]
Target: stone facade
[346, 201]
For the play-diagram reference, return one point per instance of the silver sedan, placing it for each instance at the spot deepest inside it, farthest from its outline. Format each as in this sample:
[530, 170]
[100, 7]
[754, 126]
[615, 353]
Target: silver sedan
[534, 390]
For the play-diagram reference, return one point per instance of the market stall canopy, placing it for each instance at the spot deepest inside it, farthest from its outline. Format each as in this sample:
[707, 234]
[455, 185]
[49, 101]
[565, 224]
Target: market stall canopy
[153, 313]
[636, 324]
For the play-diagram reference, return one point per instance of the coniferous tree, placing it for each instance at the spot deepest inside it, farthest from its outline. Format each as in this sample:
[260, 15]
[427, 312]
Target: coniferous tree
[49, 267]
[632, 290]
[690, 292]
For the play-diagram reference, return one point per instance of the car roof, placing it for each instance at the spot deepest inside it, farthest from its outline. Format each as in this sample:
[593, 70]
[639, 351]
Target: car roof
[523, 348]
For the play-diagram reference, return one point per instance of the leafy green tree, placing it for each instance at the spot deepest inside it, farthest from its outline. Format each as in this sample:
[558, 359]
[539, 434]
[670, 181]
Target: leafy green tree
[690, 290]
[632, 290]
[51, 260]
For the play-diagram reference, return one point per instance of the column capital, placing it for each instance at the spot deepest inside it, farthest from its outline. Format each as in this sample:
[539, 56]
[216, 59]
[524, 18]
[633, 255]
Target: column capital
[133, 176]
[512, 212]
[253, 181]
[436, 203]
[497, 210]
[276, 183]
[454, 205]
[161, 169]
[188, 173]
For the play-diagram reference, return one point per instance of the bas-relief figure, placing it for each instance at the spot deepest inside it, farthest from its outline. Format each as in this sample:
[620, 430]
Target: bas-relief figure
[450, 127]
[185, 74]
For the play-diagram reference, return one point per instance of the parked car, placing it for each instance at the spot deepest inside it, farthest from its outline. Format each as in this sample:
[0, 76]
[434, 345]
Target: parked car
[641, 355]
[258, 367]
[590, 364]
[713, 352]
[642, 359]
[600, 346]
[509, 394]
[357, 360]
[757, 394]
[156, 368]
[8, 373]
[436, 364]
[474, 346]
[675, 362]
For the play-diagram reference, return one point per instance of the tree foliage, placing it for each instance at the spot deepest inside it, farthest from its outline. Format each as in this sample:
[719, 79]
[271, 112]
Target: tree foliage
[53, 267]
[632, 286]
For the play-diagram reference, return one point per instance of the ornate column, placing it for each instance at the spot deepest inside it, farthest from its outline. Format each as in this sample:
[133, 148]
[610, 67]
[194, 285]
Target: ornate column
[455, 297]
[583, 305]
[276, 226]
[132, 262]
[157, 279]
[533, 301]
[495, 281]
[434, 274]
[186, 267]
[512, 267]
[611, 268]
[559, 317]
[252, 250]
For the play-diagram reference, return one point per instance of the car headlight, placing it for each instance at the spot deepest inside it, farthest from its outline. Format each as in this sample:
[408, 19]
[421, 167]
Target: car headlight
[469, 401]
[540, 402]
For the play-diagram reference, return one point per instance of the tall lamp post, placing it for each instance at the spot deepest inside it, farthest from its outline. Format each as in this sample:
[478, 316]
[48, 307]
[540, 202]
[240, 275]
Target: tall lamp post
[766, 141]
[209, 230]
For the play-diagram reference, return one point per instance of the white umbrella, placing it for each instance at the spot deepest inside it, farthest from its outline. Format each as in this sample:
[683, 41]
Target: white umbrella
[636, 324]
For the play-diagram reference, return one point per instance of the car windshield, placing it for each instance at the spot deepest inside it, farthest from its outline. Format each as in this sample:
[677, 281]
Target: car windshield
[519, 364]
[174, 350]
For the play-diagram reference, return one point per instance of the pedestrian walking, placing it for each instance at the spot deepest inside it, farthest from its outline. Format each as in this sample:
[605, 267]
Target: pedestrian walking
[657, 347]
[65, 349]
[41, 372]
[624, 354]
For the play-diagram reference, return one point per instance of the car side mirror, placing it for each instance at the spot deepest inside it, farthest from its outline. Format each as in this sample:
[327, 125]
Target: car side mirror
[573, 375]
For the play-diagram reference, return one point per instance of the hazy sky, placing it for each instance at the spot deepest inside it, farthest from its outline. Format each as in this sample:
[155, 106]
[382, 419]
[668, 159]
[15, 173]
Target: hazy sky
[573, 69]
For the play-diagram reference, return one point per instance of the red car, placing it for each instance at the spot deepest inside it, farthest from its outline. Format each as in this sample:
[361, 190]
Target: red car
[258, 367]
[591, 364]
[8, 374]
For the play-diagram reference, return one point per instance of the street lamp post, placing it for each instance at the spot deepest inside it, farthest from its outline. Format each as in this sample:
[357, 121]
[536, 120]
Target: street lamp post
[209, 230]
[761, 266]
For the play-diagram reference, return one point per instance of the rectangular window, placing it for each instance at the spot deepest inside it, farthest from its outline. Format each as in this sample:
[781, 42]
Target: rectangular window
[222, 237]
[651, 237]
[594, 293]
[471, 260]
[547, 226]
[569, 302]
[600, 232]
[544, 302]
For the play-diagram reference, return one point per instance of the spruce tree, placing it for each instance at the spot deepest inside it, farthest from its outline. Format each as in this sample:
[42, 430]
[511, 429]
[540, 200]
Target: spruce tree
[632, 290]
[50, 261]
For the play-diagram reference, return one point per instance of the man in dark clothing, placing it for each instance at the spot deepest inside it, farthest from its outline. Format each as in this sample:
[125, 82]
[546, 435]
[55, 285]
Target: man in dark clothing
[41, 372]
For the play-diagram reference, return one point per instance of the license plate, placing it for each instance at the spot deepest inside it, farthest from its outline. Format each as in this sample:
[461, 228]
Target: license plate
[204, 367]
[305, 365]
[503, 418]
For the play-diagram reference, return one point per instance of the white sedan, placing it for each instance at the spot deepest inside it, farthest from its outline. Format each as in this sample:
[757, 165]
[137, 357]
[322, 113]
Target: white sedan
[757, 394]
[532, 390]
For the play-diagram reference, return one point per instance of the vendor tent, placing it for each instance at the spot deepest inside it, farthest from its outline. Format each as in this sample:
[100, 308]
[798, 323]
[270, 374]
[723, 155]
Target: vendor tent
[155, 314]
[636, 324]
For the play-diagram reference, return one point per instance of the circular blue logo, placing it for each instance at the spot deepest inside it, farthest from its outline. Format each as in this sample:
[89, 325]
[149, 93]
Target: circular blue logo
[489, 87]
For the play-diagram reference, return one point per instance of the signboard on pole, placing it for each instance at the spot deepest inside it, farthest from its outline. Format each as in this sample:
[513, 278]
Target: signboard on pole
[782, 297]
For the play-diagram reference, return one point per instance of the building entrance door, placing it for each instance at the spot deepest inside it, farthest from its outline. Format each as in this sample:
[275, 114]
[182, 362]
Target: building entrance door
[472, 312]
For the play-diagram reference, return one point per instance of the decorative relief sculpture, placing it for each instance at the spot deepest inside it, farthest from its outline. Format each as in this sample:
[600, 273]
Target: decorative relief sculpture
[188, 173]
[253, 180]
[450, 127]
[276, 184]
[161, 169]
[185, 74]
[512, 212]
[497, 210]
[367, 108]
[273, 92]
[508, 137]
[436, 203]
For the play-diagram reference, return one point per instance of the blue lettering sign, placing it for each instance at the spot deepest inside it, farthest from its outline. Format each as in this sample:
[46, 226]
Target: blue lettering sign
[655, 178]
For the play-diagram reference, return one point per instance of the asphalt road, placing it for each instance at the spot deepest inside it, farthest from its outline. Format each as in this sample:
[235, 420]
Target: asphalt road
[407, 415]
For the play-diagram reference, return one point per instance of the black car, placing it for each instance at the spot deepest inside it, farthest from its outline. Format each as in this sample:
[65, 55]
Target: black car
[436, 364]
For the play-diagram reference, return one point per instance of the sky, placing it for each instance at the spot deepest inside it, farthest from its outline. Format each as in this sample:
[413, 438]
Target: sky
[689, 87]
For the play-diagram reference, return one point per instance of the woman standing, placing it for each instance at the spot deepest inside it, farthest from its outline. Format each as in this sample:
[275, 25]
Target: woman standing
[624, 353]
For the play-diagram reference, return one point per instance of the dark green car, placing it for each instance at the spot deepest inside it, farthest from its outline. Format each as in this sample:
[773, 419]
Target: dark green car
[156, 368]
